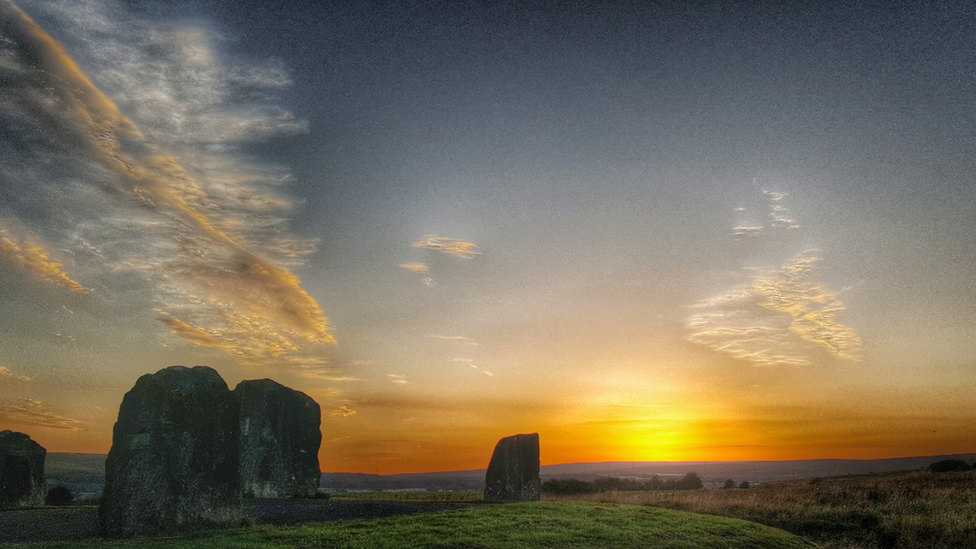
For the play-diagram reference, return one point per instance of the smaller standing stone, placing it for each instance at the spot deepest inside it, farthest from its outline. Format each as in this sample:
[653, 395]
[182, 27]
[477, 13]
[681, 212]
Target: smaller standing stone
[21, 470]
[280, 439]
[513, 473]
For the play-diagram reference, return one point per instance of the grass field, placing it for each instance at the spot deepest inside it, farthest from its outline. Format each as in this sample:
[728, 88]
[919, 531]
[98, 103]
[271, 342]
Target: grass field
[508, 526]
[454, 497]
[914, 510]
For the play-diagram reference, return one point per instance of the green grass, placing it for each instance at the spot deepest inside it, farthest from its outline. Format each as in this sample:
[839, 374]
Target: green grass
[455, 497]
[508, 526]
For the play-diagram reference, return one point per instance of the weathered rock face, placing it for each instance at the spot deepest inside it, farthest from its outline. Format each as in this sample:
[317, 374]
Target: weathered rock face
[21, 470]
[174, 456]
[280, 439]
[513, 473]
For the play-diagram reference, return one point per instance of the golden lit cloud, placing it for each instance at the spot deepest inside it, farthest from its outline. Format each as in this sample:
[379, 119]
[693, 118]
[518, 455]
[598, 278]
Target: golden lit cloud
[31, 253]
[813, 307]
[342, 411]
[205, 234]
[193, 334]
[450, 246]
[32, 412]
[416, 267]
[7, 375]
[740, 325]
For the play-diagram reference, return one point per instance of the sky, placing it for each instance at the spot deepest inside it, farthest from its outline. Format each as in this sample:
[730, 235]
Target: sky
[648, 231]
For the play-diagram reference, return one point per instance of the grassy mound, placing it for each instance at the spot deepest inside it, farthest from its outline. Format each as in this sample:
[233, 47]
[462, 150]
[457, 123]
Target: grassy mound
[510, 526]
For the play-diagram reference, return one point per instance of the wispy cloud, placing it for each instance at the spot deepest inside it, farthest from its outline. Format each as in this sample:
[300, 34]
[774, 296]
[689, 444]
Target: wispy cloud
[470, 362]
[6, 375]
[163, 190]
[33, 412]
[766, 322]
[397, 379]
[450, 246]
[315, 368]
[342, 411]
[814, 308]
[30, 252]
[416, 267]
[742, 231]
[777, 217]
[456, 339]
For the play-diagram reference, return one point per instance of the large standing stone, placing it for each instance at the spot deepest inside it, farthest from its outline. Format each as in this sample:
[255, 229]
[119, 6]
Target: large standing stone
[21, 470]
[280, 439]
[174, 456]
[513, 473]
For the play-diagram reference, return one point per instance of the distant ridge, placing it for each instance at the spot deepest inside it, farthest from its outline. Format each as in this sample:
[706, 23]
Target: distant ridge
[84, 473]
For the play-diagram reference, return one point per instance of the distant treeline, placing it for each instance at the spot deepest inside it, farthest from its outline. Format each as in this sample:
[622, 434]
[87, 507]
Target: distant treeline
[949, 465]
[567, 487]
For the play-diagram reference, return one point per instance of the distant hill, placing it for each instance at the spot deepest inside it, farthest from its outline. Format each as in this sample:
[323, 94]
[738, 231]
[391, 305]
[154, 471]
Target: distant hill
[751, 471]
[84, 474]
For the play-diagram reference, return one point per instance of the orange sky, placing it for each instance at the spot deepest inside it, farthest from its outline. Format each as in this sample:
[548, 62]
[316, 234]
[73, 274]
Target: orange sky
[699, 266]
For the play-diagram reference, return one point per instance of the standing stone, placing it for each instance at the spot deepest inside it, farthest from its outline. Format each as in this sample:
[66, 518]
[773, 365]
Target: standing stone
[280, 439]
[174, 457]
[21, 470]
[513, 473]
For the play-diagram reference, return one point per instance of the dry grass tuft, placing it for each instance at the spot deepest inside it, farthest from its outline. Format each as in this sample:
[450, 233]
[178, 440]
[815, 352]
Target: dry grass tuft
[909, 510]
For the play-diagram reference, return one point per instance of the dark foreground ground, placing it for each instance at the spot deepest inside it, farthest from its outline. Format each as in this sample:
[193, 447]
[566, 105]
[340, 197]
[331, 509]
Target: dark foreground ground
[78, 523]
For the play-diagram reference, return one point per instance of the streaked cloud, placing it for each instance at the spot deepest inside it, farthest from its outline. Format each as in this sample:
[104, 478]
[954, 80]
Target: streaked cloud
[470, 362]
[457, 339]
[747, 232]
[342, 411]
[814, 308]
[33, 412]
[450, 246]
[397, 379]
[163, 190]
[766, 322]
[30, 252]
[314, 368]
[778, 215]
[6, 375]
[416, 267]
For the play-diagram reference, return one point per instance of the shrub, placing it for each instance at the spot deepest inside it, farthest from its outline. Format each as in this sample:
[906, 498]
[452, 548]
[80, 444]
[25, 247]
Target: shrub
[947, 465]
[59, 496]
[568, 487]
[690, 482]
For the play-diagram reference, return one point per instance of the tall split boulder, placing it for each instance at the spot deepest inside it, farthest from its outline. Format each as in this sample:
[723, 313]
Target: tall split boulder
[280, 439]
[513, 473]
[21, 470]
[174, 457]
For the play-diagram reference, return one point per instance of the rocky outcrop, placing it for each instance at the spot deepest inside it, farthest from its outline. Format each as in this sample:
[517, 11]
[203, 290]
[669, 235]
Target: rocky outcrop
[280, 439]
[21, 470]
[513, 473]
[174, 457]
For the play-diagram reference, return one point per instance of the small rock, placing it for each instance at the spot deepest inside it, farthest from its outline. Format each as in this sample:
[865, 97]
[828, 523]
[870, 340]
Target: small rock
[513, 473]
